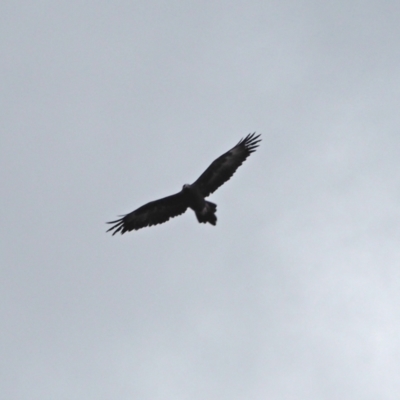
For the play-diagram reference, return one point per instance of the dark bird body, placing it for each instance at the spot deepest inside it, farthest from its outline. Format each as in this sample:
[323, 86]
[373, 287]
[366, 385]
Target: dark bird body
[191, 196]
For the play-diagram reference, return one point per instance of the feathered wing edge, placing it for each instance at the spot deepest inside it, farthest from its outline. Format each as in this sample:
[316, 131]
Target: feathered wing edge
[251, 142]
[153, 213]
[222, 169]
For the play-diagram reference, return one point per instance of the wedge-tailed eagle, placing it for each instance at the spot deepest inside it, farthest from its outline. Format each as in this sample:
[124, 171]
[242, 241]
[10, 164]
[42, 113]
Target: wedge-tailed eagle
[191, 196]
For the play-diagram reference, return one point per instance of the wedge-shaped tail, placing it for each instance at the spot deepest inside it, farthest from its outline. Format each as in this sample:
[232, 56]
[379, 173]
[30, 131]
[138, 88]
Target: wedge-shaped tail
[207, 214]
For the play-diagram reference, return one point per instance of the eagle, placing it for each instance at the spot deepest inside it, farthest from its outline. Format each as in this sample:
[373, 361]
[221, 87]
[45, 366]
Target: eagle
[191, 196]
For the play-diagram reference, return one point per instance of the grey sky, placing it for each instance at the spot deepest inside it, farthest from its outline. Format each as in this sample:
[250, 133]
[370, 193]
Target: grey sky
[108, 105]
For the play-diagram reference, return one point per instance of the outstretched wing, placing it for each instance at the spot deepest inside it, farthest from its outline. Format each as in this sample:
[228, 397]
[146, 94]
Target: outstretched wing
[225, 166]
[153, 213]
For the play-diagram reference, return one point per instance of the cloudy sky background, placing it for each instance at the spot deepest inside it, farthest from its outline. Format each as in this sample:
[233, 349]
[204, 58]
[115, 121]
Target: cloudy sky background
[108, 105]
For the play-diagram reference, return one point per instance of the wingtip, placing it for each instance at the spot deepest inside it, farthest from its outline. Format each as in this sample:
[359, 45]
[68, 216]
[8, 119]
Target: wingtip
[251, 141]
[118, 225]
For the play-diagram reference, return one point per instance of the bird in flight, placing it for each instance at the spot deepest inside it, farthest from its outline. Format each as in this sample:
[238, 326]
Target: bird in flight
[191, 196]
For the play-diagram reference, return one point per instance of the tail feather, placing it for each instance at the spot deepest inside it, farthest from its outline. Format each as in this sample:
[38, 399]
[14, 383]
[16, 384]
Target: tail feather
[207, 214]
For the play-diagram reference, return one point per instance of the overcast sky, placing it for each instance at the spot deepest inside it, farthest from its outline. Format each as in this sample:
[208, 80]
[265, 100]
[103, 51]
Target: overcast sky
[106, 105]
